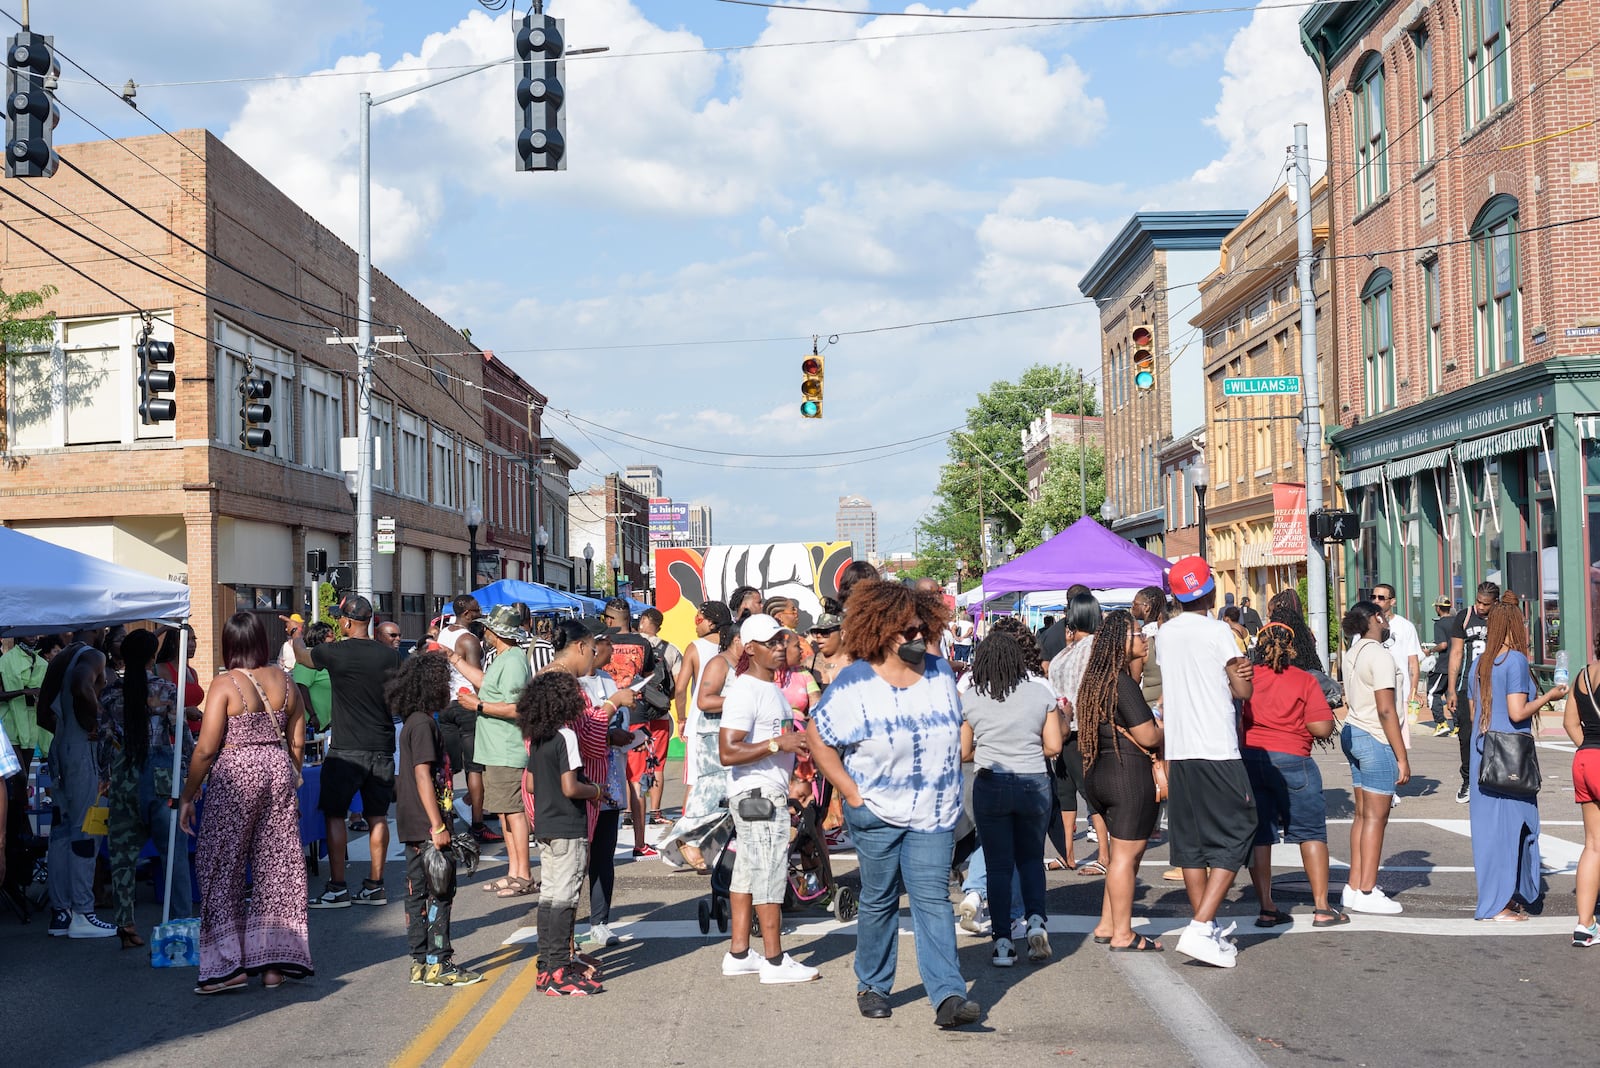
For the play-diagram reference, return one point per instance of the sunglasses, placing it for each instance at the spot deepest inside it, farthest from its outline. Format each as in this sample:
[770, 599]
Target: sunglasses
[825, 630]
[911, 634]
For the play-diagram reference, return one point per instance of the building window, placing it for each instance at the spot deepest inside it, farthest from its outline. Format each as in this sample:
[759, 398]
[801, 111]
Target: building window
[1431, 319]
[1372, 138]
[1496, 329]
[1425, 127]
[322, 404]
[411, 459]
[267, 362]
[1377, 341]
[446, 475]
[472, 458]
[1488, 66]
[383, 442]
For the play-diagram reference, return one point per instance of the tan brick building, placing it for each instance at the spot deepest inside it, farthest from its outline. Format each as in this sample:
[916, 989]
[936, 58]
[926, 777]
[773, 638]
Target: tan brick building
[1052, 429]
[1146, 277]
[1463, 163]
[243, 275]
[1250, 321]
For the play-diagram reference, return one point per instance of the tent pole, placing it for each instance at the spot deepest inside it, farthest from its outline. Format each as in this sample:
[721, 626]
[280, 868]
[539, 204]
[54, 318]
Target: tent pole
[177, 768]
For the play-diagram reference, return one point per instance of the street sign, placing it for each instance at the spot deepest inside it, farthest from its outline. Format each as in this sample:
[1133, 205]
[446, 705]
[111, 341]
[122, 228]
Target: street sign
[1261, 387]
[386, 534]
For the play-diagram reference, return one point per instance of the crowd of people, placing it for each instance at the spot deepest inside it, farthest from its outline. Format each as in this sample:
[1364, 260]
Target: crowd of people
[932, 751]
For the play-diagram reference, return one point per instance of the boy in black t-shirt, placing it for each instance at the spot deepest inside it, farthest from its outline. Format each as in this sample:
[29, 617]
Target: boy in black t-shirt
[547, 712]
[423, 799]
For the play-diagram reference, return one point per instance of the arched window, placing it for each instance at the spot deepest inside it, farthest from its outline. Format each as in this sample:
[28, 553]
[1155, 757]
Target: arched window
[1371, 135]
[1377, 341]
[1485, 26]
[1496, 286]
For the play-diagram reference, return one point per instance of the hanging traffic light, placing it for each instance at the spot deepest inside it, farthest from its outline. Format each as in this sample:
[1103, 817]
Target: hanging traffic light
[31, 113]
[811, 387]
[541, 136]
[1144, 357]
[253, 412]
[155, 380]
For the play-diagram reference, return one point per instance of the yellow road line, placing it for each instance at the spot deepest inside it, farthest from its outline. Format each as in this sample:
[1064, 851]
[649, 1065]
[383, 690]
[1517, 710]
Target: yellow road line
[449, 1018]
[489, 1026]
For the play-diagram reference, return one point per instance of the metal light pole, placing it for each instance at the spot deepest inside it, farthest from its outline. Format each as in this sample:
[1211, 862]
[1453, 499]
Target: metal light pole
[1311, 418]
[1108, 513]
[616, 575]
[541, 543]
[960, 566]
[588, 569]
[1200, 478]
[474, 520]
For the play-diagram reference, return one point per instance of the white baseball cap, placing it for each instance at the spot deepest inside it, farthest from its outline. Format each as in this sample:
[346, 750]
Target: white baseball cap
[761, 628]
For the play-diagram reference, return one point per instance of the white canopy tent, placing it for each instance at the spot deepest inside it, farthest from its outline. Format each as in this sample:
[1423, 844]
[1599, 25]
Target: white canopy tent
[50, 589]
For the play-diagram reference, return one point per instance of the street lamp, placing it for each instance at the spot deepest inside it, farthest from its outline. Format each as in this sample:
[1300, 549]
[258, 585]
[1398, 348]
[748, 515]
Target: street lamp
[588, 569]
[961, 565]
[1200, 478]
[474, 521]
[648, 571]
[542, 541]
[616, 574]
[1109, 513]
[1010, 548]
[1046, 532]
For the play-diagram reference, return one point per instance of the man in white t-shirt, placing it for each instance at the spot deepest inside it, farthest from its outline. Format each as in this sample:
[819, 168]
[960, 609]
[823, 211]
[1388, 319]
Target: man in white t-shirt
[1406, 648]
[759, 755]
[1211, 812]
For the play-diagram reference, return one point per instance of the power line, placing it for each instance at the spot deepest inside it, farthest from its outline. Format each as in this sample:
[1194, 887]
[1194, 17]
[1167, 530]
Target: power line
[756, 455]
[1136, 16]
[124, 146]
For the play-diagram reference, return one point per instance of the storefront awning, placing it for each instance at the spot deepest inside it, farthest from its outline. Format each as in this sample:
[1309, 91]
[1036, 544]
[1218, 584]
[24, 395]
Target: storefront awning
[1261, 556]
[1588, 427]
[1412, 464]
[1367, 476]
[1522, 437]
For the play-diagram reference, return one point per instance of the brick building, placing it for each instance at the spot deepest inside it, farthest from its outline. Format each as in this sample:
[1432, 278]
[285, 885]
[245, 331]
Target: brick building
[614, 519]
[1052, 429]
[1146, 277]
[1180, 506]
[1250, 320]
[244, 277]
[1464, 300]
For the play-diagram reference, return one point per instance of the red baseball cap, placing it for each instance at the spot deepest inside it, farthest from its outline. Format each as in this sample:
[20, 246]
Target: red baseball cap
[1190, 579]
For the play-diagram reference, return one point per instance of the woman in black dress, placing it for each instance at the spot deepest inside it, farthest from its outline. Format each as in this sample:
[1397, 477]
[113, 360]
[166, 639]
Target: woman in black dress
[1119, 738]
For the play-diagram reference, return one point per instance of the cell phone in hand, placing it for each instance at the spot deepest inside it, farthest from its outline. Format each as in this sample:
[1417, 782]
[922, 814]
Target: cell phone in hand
[638, 684]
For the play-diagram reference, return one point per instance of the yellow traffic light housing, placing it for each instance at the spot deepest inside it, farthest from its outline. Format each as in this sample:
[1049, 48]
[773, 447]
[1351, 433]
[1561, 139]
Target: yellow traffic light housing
[811, 387]
[1144, 357]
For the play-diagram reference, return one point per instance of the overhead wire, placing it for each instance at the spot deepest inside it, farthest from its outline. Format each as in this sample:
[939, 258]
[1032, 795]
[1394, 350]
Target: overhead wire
[1130, 16]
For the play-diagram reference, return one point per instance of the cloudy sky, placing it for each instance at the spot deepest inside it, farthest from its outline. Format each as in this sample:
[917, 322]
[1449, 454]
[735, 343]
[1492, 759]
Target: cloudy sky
[847, 174]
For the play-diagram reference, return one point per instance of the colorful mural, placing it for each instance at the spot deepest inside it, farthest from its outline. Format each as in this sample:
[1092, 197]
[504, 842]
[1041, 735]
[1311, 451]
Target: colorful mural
[807, 571]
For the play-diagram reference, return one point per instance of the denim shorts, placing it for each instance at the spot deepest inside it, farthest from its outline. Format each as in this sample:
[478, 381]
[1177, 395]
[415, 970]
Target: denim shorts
[1373, 767]
[1288, 789]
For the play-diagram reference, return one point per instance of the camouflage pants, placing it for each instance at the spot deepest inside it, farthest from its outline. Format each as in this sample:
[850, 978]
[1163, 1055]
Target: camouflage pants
[139, 812]
[127, 837]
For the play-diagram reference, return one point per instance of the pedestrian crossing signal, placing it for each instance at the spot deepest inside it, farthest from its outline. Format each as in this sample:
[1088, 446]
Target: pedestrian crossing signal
[1144, 358]
[1334, 526]
[811, 387]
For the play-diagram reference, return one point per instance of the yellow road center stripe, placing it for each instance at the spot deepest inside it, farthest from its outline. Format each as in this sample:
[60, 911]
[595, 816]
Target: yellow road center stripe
[449, 1018]
[489, 1026]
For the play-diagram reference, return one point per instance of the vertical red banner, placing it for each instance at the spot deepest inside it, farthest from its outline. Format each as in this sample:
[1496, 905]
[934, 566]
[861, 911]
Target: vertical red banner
[1289, 519]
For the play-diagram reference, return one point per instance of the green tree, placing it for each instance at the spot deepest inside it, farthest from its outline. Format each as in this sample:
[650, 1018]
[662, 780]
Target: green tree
[1059, 496]
[982, 455]
[20, 328]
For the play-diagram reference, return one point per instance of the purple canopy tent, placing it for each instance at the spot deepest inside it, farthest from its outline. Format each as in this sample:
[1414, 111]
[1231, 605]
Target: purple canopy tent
[1086, 553]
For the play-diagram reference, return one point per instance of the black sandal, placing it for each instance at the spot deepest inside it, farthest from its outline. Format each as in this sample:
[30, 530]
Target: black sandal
[1140, 944]
[1334, 918]
[1273, 918]
[1102, 940]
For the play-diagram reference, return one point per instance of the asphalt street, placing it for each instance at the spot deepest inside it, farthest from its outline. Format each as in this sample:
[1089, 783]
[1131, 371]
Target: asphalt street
[1428, 987]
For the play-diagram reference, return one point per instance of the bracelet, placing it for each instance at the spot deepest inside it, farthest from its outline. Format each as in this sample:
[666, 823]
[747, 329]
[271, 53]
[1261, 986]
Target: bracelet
[436, 830]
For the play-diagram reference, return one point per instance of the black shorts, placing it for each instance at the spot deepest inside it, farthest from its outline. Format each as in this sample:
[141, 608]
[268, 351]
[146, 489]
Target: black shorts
[1066, 776]
[1211, 814]
[346, 772]
[460, 730]
[1121, 784]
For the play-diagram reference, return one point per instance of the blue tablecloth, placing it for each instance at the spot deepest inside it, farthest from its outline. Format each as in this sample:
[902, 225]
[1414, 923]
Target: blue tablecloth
[313, 826]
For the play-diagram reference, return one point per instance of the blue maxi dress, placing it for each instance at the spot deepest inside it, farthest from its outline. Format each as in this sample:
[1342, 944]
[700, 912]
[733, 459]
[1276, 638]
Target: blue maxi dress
[1505, 829]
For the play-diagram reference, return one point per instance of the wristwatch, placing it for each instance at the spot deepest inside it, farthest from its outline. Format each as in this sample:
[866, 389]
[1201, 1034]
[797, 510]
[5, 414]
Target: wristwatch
[772, 746]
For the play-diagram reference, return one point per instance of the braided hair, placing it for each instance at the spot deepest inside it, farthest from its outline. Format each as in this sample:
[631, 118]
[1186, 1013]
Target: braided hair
[138, 653]
[1275, 645]
[1097, 694]
[999, 666]
[1018, 631]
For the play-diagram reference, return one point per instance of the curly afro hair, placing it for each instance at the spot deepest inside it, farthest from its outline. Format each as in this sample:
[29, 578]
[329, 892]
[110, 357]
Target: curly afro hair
[879, 612]
[1018, 631]
[549, 702]
[421, 685]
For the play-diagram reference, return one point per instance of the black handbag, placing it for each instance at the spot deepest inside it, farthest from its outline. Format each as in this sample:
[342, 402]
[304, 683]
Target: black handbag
[1510, 764]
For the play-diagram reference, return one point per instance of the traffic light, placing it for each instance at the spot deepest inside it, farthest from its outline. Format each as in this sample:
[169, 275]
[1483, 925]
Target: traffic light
[1144, 357]
[811, 387]
[541, 118]
[31, 114]
[154, 380]
[252, 412]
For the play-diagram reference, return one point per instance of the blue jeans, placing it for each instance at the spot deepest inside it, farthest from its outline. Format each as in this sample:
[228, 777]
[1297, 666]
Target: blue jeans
[891, 858]
[977, 882]
[1011, 812]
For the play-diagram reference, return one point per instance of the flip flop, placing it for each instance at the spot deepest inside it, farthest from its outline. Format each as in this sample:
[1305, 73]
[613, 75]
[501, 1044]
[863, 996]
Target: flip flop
[1102, 940]
[1057, 864]
[1140, 944]
[1329, 918]
[207, 989]
[1094, 867]
[1273, 918]
[518, 887]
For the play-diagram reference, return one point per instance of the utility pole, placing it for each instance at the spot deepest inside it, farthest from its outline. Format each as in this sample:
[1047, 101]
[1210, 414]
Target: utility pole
[1311, 420]
[1083, 466]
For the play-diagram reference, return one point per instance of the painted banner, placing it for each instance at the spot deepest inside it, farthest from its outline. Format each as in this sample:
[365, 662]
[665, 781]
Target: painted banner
[669, 521]
[1289, 519]
[807, 571]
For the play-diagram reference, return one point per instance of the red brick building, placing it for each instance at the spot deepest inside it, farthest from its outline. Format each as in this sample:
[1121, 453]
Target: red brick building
[236, 275]
[1464, 247]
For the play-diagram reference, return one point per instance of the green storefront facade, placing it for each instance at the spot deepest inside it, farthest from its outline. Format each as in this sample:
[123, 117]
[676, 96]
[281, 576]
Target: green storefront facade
[1498, 481]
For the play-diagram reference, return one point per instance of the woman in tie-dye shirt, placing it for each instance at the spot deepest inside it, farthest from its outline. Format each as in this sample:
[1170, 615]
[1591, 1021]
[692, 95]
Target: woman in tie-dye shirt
[887, 735]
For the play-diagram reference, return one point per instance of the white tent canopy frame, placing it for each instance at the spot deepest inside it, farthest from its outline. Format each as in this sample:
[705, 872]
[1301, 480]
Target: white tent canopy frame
[51, 589]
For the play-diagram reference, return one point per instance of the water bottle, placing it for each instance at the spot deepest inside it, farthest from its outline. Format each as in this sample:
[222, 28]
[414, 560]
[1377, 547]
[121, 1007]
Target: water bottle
[1562, 674]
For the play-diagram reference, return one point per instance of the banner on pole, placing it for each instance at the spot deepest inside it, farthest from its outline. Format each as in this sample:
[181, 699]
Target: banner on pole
[1289, 519]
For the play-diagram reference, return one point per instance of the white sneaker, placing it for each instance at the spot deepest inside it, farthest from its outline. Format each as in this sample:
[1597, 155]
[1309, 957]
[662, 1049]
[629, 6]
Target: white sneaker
[88, 925]
[1005, 954]
[968, 910]
[1375, 901]
[787, 971]
[1019, 929]
[751, 965]
[1200, 941]
[600, 935]
[1038, 940]
[1394, 801]
[1349, 896]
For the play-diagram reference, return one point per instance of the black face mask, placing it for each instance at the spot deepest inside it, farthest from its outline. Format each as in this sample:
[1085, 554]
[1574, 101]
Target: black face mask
[913, 652]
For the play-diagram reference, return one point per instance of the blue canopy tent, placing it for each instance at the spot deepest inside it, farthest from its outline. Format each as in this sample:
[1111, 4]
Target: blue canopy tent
[537, 597]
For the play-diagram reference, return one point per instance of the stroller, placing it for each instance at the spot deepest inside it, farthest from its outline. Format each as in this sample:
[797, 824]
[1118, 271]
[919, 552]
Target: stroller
[811, 883]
